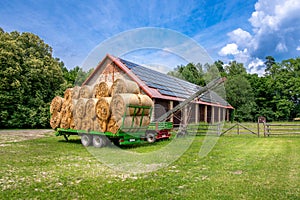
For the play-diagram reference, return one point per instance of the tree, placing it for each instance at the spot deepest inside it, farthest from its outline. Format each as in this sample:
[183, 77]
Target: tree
[191, 72]
[239, 92]
[29, 77]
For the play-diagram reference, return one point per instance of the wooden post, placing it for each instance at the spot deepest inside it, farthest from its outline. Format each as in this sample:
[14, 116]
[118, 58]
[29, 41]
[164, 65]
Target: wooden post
[227, 115]
[170, 108]
[153, 111]
[238, 128]
[224, 114]
[212, 115]
[197, 113]
[219, 114]
[258, 127]
[205, 113]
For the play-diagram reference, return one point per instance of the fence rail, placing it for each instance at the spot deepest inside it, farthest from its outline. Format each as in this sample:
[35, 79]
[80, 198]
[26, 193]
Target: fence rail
[281, 129]
[263, 128]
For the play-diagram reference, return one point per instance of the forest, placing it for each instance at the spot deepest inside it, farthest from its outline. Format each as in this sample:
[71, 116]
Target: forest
[30, 77]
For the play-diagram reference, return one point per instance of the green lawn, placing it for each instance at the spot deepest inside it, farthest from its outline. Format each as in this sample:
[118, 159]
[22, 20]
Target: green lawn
[238, 167]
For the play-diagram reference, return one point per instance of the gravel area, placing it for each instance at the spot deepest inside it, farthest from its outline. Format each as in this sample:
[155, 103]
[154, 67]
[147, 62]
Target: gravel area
[8, 136]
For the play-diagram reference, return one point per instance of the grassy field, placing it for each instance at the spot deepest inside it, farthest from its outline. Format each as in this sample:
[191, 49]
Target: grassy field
[238, 167]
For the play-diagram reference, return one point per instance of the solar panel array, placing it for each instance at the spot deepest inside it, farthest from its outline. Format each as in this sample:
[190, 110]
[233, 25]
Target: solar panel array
[171, 86]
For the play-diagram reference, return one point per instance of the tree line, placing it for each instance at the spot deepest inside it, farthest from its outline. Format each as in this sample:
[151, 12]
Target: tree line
[274, 94]
[30, 77]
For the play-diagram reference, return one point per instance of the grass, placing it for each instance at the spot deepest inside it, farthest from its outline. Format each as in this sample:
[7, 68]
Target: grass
[238, 167]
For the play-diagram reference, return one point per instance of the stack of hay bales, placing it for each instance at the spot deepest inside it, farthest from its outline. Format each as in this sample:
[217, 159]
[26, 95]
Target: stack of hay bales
[101, 107]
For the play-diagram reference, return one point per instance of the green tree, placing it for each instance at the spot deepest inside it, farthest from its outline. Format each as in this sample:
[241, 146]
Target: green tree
[29, 77]
[191, 72]
[239, 92]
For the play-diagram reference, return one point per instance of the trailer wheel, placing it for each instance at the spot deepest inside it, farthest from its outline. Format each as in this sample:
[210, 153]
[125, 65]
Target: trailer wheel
[98, 141]
[86, 140]
[151, 137]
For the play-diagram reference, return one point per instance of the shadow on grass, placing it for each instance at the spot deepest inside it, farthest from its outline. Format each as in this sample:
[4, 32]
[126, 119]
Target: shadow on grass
[72, 141]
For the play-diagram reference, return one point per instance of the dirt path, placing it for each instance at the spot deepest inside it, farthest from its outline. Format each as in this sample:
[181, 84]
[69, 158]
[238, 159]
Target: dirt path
[7, 136]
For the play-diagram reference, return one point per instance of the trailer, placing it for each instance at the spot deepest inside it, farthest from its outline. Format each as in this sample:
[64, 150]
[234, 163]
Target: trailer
[132, 134]
[126, 135]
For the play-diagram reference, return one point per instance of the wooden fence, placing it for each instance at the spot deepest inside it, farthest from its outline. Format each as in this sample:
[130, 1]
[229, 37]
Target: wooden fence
[262, 129]
[281, 129]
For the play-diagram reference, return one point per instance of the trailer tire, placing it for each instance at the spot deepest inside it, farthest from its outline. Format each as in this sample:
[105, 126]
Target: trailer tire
[151, 137]
[86, 140]
[98, 141]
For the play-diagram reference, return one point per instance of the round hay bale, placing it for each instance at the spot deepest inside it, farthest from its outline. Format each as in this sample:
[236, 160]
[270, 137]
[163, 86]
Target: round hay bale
[68, 94]
[103, 108]
[87, 124]
[94, 92]
[113, 125]
[77, 123]
[80, 107]
[145, 100]
[56, 104]
[103, 89]
[72, 123]
[142, 121]
[90, 108]
[100, 125]
[130, 123]
[65, 122]
[75, 92]
[119, 103]
[124, 86]
[55, 120]
[86, 91]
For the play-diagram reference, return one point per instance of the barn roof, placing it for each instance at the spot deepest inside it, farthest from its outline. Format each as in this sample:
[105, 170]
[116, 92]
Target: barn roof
[163, 86]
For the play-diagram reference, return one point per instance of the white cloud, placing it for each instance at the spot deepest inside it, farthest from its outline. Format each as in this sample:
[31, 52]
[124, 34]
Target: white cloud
[256, 66]
[275, 31]
[240, 37]
[229, 49]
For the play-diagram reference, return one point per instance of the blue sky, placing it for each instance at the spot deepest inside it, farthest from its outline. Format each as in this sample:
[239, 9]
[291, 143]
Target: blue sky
[246, 31]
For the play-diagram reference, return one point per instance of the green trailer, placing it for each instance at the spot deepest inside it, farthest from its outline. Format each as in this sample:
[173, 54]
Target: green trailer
[126, 135]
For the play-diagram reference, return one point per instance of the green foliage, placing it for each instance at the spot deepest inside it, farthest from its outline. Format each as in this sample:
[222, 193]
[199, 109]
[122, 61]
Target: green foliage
[239, 92]
[28, 76]
[191, 72]
[29, 79]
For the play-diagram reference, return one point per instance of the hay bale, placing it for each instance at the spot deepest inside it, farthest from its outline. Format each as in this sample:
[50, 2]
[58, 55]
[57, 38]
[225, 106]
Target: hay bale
[68, 94]
[75, 92]
[90, 108]
[145, 100]
[103, 89]
[86, 91]
[94, 91]
[124, 86]
[56, 104]
[77, 123]
[100, 125]
[55, 120]
[65, 122]
[72, 123]
[87, 124]
[119, 103]
[142, 121]
[130, 122]
[103, 108]
[80, 107]
[113, 125]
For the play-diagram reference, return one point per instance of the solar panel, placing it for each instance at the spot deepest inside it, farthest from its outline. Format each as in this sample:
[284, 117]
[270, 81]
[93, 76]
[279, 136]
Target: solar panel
[169, 85]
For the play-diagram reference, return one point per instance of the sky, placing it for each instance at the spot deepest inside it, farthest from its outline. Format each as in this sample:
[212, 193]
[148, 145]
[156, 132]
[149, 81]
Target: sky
[245, 31]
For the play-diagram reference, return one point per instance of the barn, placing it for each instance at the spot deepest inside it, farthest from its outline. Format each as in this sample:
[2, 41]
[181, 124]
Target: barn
[165, 91]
